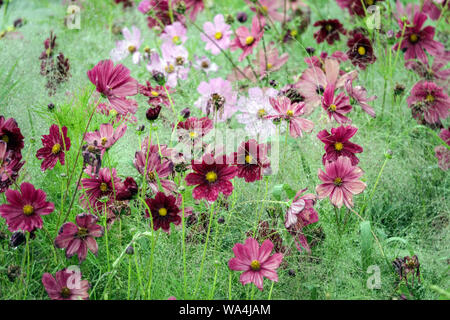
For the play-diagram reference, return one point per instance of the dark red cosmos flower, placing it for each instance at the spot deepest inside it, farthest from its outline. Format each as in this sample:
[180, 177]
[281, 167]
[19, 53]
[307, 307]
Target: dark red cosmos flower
[25, 208]
[10, 133]
[329, 30]
[127, 190]
[9, 167]
[211, 176]
[251, 159]
[337, 144]
[54, 146]
[360, 50]
[156, 95]
[78, 238]
[357, 6]
[66, 285]
[416, 39]
[164, 211]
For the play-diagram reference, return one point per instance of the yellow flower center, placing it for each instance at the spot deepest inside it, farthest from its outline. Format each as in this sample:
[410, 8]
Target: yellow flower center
[192, 134]
[176, 39]
[170, 68]
[103, 187]
[154, 93]
[211, 176]
[249, 40]
[5, 138]
[264, 9]
[337, 181]
[180, 61]
[248, 158]
[56, 148]
[28, 210]
[293, 33]
[361, 51]
[255, 265]
[65, 292]
[332, 108]
[430, 98]
[290, 113]
[329, 27]
[269, 66]
[147, 49]
[261, 113]
[218, 35]
[132, 49]
[113, 112]
[338, 146]
[82, 233]
[413, 38]
[369, 2]
[104, 140]
[151, 176]
[162, 212]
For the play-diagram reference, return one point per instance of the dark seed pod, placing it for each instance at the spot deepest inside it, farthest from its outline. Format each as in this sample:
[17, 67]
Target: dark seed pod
[130, 250]
[17, 239]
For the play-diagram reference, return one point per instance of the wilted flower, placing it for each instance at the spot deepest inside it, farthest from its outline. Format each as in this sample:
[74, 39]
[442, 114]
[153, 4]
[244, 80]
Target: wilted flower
[10, 133]
[407, 265]
[359, 95]
[428, 101]
[106, 137]
[9, 167]
[156, 167]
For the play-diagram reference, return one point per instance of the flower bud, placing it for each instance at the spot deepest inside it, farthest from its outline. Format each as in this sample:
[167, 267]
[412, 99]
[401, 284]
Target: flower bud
[242, 17]
[310, 50]
[51, 106]
[130, 250]
[159, 78]
[17, 239]
[153, 113]
[185, 113]
[229, 19]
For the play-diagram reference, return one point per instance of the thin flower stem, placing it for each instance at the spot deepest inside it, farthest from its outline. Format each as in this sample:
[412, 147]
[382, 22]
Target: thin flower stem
[24, 282]
[337, 219]
[105, 221]
[252, 292]
[150, 278]
[211, 295]
[262, 207]
[170, 12]
[270, 292]
[129, 279]
[374, 187]
[229, 285]
[183, 223]
[72, 200]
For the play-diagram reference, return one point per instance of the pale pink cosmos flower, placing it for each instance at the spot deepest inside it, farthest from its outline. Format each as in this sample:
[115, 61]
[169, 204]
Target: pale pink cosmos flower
[144, 6]
[405, 12]
[336, 107]
[266, 8]
[247, 40]
[205, 64]
[253, 111]
[218, 33]
[291, 112]
[269, 60]
[340, 182]
[217, 98]
[175, 34]
[255, 261]
[359, 94]
[130, 45]
[106, 137]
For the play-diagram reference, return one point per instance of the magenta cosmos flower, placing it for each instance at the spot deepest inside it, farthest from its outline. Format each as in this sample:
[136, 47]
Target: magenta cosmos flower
[54, 147]
[130, 45]
[443, 152]
[266, 8]
[156, 95]
[66, 285]
[329, 31]
[217, 98]
[194, 7]
[357, 6]
[291, 112]
[340, 182]
[247, 40]
[269, 60]
[78, 238]
[192, 130]
[360, 50]
[211, 177]
[175, 34]
[337, 144]
[415, 39]
[336, 107]
[359, 95]
[428, 101]
[436, 72]
[300, 214]
[115, 84]
[25, 208]
[218, 35]
[255, 261]
[157, 168]
[251, 160]
[164, 211]
[106, 137]
[10, 133]
[9, 167]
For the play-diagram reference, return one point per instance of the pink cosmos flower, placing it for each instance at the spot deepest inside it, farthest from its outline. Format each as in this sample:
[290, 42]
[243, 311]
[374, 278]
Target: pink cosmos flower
[144, 6]
[9, 167]
[356, 7]
[337, 144]
[116, 116]
[247, 40]
[194, 7]
[319, 61]
[359, 94]
[253, 111]
[340, 182]
[78, 238]
[55, 146]
[416, 40]
[174, 34]
[443, 152]
[428, 101]
[291, 112]
[66, 285]
[211, 177]
[115, 84]
[156, 94]
[11, 134]
[270, 60]
[300, 214]
[251, 160]
[106, 137]
[436, 72]
[205, 64]
[336, 107]
[217, 98]
[157, 168]
[218, 33]
[266, 8]
[431, 8]
[255, 261]
[25, 208]
[130, 45]
[192, 130]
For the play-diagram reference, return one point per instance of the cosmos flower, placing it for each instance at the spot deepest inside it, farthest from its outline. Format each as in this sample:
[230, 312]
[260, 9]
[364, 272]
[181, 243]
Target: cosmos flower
[251, 160]
[54, 147]
[194, 7]
[406, 12]
[164, 211]
[157, 95]
[144, 6]
[415, 39]
[291, 112]
[9, 167]
[115, 84]
[329, 31]
[428, 101]
[10, 133]
[269, 60]
[218, 35]
[360, 50]
[157, 168]
[78, 238]
[253, 111]
[211, 177]
[337, 144]
[336, 107]
[357, 7]
[174, 34]
[359, 95]
[160, 14]
[130, 45]
[436, 72]
[247, 40]
[431, 8]
[25, 208]
[205, 64]
[193, 129]
[266, 8]
[64, 287]
[127, 190]
[443, 152]
[319, 61]
[255, 261]
[340, 182]
[106, 137]
[217, 98]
